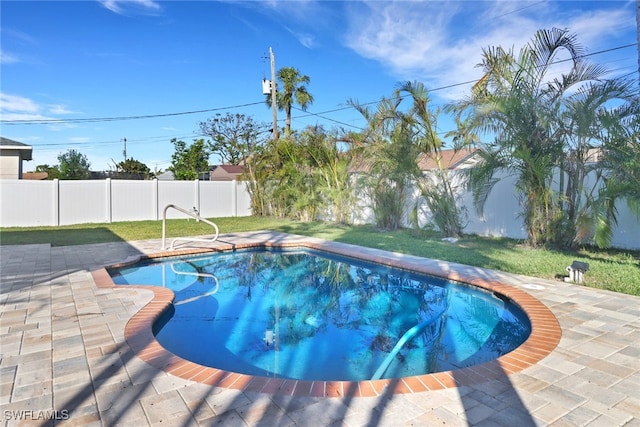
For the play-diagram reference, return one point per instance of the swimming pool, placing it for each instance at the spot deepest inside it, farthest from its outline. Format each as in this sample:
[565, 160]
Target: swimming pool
[310, 315]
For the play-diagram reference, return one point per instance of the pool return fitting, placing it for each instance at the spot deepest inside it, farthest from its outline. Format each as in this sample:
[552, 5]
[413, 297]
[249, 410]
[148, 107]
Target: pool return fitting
[193, 214]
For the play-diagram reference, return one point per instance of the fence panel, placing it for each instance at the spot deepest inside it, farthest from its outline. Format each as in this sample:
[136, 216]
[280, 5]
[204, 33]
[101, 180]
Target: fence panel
[626, 235]
[243, 199]
[501, 216]
[133, 200]
[217, 198]
[28, 203]
[183, 194]
[83, 202]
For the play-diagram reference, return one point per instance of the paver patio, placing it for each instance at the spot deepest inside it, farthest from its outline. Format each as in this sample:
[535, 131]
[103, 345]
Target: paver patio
[66, 361]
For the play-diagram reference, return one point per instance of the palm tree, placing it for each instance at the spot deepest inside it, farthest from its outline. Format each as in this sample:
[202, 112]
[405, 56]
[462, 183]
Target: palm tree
[437, 187]
[389, 153]
[534, 120]
[592, 128]
[294, 90]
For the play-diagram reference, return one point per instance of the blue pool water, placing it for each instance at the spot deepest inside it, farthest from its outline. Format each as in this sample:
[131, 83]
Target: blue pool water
[309, 315]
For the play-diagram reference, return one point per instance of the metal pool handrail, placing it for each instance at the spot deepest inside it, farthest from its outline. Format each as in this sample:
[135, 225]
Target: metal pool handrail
[192, 215]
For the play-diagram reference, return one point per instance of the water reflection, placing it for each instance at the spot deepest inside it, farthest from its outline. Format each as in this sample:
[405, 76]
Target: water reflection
[303, 315]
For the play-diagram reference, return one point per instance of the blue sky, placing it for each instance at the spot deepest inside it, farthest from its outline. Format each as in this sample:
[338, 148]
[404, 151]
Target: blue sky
[80, 60]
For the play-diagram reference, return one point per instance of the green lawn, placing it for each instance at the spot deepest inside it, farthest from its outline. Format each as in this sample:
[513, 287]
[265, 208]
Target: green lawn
[614, 270]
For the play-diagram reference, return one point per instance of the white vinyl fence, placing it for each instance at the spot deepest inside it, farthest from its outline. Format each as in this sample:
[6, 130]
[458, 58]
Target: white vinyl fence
[51, 203]
[501, 216]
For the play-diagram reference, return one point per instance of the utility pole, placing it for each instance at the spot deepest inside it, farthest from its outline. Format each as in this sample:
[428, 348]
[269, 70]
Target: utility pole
[124, 152]
[273, 94]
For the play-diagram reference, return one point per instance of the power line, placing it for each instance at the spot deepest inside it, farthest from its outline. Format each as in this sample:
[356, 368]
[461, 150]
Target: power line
[455, 85]
[309, 113]
[518, 10]
[150, 116]
[110, 119]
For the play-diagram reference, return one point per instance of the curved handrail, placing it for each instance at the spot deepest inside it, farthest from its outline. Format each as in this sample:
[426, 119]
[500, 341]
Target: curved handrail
[407, 336]
[192, 215]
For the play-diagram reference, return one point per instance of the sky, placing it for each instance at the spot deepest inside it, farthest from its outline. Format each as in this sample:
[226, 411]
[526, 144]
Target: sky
[86, 75]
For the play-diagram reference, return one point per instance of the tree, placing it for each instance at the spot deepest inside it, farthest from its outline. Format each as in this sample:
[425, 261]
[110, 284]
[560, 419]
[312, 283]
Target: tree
[541, 126]
[132, 167]
[437, 187]
[235, 137]
[390, 154]
[294, 90]
[395, 138]
[73, 165]
[285, 183]
[302, 177]
[621, 170]
[331, 165]
[189, 162]
[53, 172]
[594, 134]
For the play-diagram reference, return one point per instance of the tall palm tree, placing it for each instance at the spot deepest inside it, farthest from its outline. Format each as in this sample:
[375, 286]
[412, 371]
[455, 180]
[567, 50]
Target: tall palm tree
[437, 187]
[389, 154]
[534, 118]
[293, 90]
[592, 132]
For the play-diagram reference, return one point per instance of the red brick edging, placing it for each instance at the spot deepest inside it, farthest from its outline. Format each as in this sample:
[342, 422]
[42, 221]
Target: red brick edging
[545, 335]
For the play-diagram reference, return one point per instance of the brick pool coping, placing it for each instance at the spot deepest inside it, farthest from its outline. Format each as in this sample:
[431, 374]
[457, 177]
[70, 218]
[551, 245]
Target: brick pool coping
[544, 338]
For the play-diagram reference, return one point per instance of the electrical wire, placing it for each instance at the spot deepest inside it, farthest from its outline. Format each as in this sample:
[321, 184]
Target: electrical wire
[320, 114]
[111, 119]
[150, 116]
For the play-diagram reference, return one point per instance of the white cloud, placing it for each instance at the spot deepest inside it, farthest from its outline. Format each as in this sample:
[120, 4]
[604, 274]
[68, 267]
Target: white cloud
[595, 27]
[60, 109]
[17, 104]
[7, 58]
[123, 7]
[305, 39]
[440, 43]
[20, 108]
[304, 19]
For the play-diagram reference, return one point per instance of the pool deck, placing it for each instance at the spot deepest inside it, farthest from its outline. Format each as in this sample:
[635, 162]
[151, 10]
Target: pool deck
[69, 351]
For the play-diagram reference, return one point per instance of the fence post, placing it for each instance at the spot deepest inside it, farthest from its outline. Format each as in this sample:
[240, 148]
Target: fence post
[109, 200]
[196, 202]
[56, 202]
[234, 197]
[154, 188]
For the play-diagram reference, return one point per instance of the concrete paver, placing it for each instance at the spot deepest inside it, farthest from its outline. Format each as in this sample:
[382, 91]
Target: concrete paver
[65, 360]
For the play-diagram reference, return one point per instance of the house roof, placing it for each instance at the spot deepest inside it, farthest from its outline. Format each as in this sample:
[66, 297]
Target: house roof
[232, 169]
[166, 176]
[449, 159]
[226, 172]
[10, 144]
[35, 176]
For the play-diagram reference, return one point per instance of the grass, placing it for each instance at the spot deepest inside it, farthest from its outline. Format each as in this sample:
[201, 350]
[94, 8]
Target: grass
[614, 270]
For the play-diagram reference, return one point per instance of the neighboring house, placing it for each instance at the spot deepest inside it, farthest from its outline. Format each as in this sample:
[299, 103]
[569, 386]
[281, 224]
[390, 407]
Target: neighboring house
[35, 176]
[12, 153]
[227, 173]
[594, 155]
[449, 159]
[166, 176]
